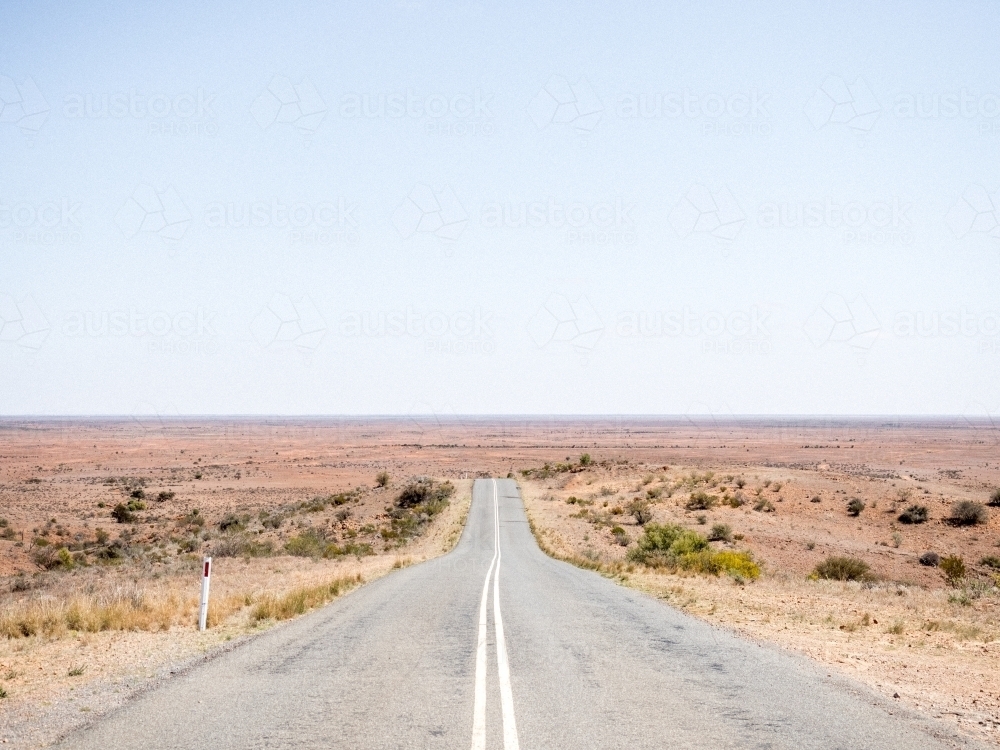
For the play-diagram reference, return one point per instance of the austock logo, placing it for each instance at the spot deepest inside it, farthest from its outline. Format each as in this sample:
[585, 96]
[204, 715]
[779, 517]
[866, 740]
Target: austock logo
[562, 102]
[149, 211]
[294, 322]
[976, 212]
[22, 105]
[839, 103]
[838, 320]
[701, 211]
[22, 323]
[425, 211]
[574, 323]
[298, 104]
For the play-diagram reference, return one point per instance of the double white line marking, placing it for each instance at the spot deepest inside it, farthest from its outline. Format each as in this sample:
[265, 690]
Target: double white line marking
[503, 667]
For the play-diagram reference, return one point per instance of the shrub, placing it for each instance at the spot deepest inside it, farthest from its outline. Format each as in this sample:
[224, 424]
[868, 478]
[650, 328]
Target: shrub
[991, 562]
[309, 543]
[737, 500]
[843, 569]
[740, 565]
[953, 568]
[741, 483]
[671, 546]
[701, 501]
[301, 600]
[165, 495]
[620, 536]
[585, 459]
[667, 538]
[382, 479]
[138, 494]
[914, 514]
[231, 522]
[424, 492]
[815, 499]
[720, 533]
[136, 504]
[995, 498]
[930, 559]
[854, 506]
[764, 506]
[241, 545]
[968, 513]
[639, 510]
[52, 558]
[122, 514]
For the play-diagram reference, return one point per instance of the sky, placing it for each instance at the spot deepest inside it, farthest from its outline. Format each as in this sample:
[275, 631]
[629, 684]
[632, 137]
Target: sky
[523, 208]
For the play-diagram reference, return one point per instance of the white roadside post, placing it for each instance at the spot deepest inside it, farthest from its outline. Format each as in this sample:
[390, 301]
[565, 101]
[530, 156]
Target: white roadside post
[206, 576]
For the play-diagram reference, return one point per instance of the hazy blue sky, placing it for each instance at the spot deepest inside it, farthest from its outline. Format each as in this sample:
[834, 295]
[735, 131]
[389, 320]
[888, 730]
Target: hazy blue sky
[450, 208]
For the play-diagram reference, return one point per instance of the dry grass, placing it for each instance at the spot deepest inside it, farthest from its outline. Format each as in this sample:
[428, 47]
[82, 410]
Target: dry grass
[124, 607]
[300, 600]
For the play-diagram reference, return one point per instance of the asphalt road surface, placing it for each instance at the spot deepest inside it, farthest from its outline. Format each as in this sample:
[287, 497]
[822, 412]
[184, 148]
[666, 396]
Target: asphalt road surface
[496, 645]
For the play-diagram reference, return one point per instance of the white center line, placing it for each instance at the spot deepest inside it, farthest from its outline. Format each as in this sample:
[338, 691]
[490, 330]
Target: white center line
[479, 712]
[503, 667]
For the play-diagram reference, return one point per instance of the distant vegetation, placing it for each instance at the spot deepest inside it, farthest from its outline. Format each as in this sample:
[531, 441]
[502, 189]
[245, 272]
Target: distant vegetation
[674, 547]
[968, 513]
[843, 569]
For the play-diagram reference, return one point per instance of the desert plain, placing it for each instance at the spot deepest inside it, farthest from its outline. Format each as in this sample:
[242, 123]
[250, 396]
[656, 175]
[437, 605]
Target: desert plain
[104, 523]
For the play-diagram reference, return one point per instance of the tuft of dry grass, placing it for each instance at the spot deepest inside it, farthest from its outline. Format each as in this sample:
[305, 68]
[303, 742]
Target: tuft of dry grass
[300, 600]
[125, 607]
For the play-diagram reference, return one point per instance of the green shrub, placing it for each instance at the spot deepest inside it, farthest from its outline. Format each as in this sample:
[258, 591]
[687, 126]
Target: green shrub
[231, 522]
[701, 501]
[309, 543]
[968, 513]
[995, 498]
[843, 569]
[122, 513]
[672, 546]
[620, 536]
[424, 492]
[991, 562]
[720, 533]
[165, 495]
[241, 545]
[585, 459]
[953, 568]
[854, 506]
[764, 506]
[382, 479]
[914, 514]
[639, 510]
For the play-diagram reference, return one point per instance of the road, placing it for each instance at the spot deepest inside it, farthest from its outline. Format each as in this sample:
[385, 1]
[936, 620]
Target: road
[496, 645]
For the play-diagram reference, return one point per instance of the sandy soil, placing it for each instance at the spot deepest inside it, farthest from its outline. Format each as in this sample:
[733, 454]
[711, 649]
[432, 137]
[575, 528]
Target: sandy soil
[911, 635]
[60, 480]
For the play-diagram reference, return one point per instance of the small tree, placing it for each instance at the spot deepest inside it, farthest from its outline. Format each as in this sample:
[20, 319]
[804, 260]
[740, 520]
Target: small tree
[953, 568]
